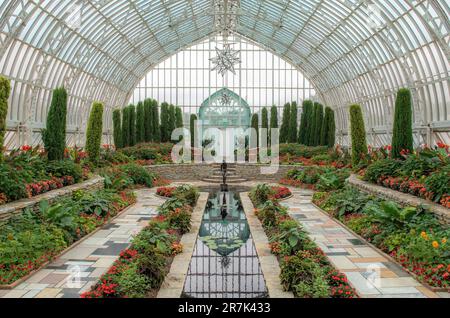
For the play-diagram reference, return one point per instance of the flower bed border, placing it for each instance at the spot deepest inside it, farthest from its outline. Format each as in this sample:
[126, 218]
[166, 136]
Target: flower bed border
[384, 254]
[403, 199]
[10, 209]
[67, 249]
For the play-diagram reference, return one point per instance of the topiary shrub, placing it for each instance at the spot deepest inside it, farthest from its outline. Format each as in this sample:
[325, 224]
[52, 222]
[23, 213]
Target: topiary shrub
[5, 88]
[54, 135]
[358, 134]
[402, 138]
[140, 123]
[192, 128]
[293, 123]
[284, 130]
[94, 132]
[117, 126]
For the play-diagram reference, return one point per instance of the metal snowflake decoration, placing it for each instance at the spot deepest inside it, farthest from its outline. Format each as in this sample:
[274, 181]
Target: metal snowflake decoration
[225, 60]
[225, 99]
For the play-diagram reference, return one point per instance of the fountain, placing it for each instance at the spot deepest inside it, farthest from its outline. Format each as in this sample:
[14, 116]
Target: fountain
[223, 170]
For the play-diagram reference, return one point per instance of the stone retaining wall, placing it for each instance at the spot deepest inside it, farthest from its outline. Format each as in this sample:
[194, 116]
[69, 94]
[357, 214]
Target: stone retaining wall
[10, 209]
[189, 172]
[402, 198]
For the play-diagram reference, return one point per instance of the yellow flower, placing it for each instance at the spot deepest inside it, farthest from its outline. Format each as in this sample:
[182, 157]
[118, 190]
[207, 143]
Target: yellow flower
[444, 240]
[435, 244]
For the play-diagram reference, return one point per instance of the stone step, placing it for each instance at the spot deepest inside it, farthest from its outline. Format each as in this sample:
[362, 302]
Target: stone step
[229, 173]
[228, 178]
[219, 181]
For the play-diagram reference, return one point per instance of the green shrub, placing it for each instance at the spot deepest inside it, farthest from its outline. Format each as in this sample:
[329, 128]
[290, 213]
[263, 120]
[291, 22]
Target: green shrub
[273, 120]
[140, 123]
[328, 135]
[260, 194]
[153, 266]
[284, 130]
[292, 133]
[187, 193]
[302, 151]
[148, 120]
[117, 125]
[303, 134]
[255, 126]
[317, 124]
[165, 122]
[332, 180]
[5, 88]
[358, 134]
[402, 138]
[321, 158]
[265, 123]
[132, 283]
[382, 168]
[65, 168]
[94, 132]
[156, 125]
[12, 183]
[54, 135]
[138, 174]
[438, 183]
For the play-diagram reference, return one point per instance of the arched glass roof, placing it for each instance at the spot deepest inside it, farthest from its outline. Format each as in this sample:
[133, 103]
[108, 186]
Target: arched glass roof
[352, 51]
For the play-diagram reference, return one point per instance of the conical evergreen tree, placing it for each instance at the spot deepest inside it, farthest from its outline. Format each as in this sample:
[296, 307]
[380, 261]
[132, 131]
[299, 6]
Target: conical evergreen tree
[358, 134]
[285, 123]
[54, 135]
[5, 89]
[172, 121]
[148, 120]
[94, 132]
[193, 129]
[273, 120]
[293, 123]
[164, 122]
[328, 130]
[132, 114]
[156, 127]
[318, 124]
[402, 138]
[255, 126]
[303, 132]
[140, 123]
[117, 125]
[126, 127]
[265, 122]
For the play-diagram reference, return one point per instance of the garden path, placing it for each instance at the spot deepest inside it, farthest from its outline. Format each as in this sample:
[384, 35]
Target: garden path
[80, 267]
[371, 273]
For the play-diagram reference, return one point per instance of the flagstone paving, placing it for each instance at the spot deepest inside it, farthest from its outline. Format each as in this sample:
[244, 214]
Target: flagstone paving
[369, 271]
[79, 268]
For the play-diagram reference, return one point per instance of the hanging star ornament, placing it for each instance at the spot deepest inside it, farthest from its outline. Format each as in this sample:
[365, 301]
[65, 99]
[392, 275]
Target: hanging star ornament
[225, 60]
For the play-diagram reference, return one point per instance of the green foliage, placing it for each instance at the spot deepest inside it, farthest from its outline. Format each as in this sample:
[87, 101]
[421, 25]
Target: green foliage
[5, 88]
[358, 134]
[132, 126]
[64, 168]
[302, 151]
[328, 132]
[284, 130]
[156, 135]
[332, 179]
[54, 135]
[255, 126]
[117, 126]
[273, 119]
[186, 193]
[126, 127]
[140, 123]
[172, 121]
[138, 174]
[389, 214]
[402, 138]
[94, 132]
[260, 194]
[179, 118]
[265, 122]
[438, 183]
[382, 168]
[305, 125]
[148, 120]
[346, 201]
[317, 124]
[192, 121]
[293, 123]
[165, 127]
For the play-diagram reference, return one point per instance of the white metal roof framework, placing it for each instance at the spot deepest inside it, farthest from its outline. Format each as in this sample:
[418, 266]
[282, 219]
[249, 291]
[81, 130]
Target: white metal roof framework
[352, 51]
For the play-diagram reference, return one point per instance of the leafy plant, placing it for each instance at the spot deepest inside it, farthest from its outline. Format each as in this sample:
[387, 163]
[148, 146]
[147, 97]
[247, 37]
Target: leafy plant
[390, 214]
[438, 183]
[382, 168]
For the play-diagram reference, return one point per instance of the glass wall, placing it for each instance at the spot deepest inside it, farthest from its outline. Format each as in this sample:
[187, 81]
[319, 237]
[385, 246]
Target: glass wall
[262, 78]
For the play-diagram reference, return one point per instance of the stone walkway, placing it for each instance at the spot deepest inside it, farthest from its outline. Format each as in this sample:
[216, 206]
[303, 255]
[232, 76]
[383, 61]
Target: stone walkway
[79, 268]
[370, 273]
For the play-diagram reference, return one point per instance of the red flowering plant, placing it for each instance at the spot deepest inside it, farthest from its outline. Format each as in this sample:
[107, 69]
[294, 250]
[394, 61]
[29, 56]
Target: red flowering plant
[165, 191]
[280, 192]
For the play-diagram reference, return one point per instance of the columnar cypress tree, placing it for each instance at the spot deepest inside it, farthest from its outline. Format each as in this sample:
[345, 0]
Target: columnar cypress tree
[156, 135]
[172, 121]
[265, 121]
[285, 123]
[126, 127]
[273, 120]
[305, 124]
[179, 118]
[140, 123]
[192, 128]
[54, 135]
[293, 123]
[148, 120]
[331, 138]
[358, 134]
[132, 114]
[255, 126]
[402, 138]
[94, 132]
[164, 122]
[312, 125]
[117, 125]
[318, 117]
[329, 129]
[5, 89]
